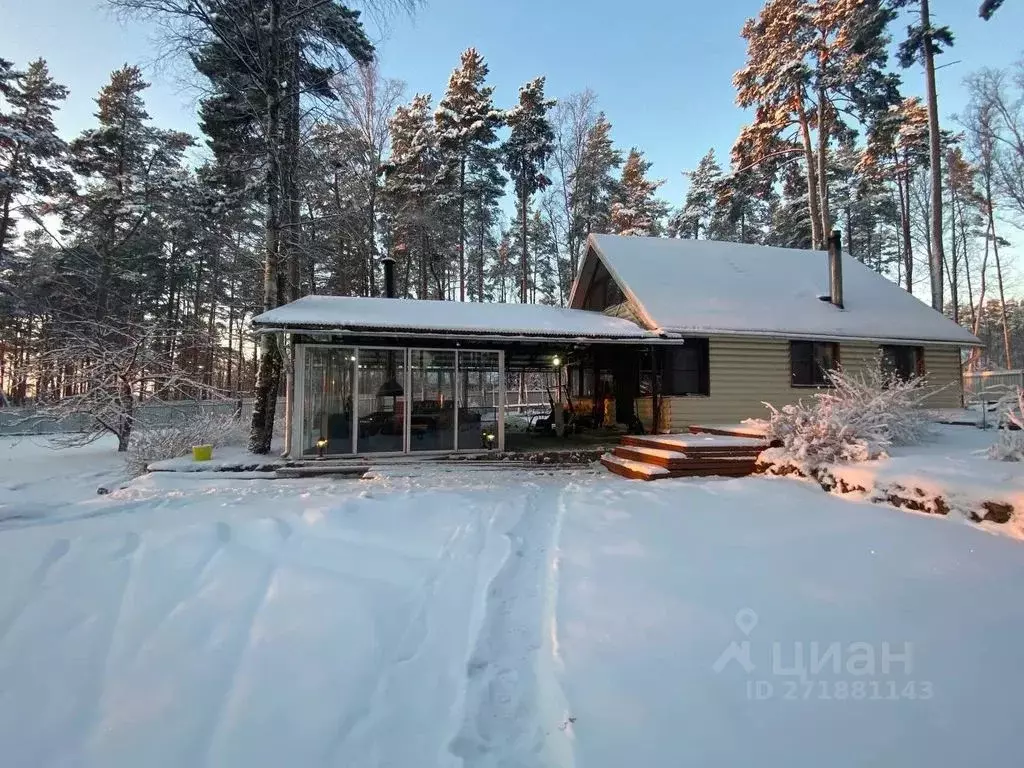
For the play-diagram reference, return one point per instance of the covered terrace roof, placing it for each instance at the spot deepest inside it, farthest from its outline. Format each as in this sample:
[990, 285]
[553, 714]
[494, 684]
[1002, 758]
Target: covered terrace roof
[358, 314]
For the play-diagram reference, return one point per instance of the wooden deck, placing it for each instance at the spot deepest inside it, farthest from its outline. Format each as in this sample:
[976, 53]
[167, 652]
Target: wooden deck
[697, 454]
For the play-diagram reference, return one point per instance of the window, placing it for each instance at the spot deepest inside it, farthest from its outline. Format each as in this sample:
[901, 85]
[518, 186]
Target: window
[686, 369]
[902, 361]
[810, 361]
[649, 384]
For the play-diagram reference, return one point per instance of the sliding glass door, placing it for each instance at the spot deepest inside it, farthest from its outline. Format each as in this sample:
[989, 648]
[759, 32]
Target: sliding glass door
[479, 400]
[327, 400]
[394, 399]
[432, 414]
[381, 401]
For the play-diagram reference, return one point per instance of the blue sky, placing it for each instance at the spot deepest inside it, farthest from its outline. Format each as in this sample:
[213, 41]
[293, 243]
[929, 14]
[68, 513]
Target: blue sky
[661, 68]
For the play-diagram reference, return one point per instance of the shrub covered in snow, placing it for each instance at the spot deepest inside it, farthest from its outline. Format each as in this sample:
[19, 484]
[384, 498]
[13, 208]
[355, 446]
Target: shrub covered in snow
[856, 419]
[201, 428]
[1010, 445]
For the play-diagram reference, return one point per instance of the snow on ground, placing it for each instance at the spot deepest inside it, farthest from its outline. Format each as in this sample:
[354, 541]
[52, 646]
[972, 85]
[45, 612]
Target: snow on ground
[225, 458]
[467, 617]
[37, 479]
[952, 465]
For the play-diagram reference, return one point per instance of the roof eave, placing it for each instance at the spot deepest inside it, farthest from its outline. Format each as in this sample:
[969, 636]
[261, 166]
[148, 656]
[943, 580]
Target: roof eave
[450, 334]
[641, 309]
[804, 335]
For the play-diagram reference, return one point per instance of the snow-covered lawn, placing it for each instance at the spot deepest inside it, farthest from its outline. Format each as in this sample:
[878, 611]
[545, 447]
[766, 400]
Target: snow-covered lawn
[949, 472]
[481, 618]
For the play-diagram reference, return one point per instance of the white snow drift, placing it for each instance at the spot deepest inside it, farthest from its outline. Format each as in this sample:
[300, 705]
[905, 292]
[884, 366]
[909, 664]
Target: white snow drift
[477, 618]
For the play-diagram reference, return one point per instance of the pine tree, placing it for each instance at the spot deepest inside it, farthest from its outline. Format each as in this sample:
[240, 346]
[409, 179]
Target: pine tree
[31, 153]
[597, 184]
[743, 201]
[989, 7]
[636, 211]
[465, 122]
[896, 152]
[789, 213]
[701, 202]
[525, 153]
[924, 42]
[985, 136]
[129, 170]
[484, 190]
[263, 57]
[584, 162]
[544, 282]
[412, 174]
[810, 63]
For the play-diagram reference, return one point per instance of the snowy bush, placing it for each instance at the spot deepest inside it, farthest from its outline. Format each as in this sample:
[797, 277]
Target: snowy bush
[201, 428]
[515, 422]
[856, 419]
[1010, 446]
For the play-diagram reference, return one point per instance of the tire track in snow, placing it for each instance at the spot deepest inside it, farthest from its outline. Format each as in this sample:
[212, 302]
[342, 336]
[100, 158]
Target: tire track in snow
[271, 568]
[357, 723]
[125, 559]
[57, 551]
[514, 706]
[188, 591]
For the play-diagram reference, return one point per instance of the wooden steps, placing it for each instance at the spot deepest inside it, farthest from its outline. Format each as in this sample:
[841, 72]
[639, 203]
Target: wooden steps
[322, 469]
[697, 454]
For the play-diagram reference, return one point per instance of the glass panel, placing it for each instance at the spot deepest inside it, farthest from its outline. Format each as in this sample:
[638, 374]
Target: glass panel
[432, 420]
[479, 381]
[381, 400]
[327, 400]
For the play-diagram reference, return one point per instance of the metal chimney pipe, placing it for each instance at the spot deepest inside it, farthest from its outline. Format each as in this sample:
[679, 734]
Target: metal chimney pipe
[389, 276]
[835, 268]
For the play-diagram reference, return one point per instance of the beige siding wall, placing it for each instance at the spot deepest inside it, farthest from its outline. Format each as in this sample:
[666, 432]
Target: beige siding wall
[745, 372]
[945, 376]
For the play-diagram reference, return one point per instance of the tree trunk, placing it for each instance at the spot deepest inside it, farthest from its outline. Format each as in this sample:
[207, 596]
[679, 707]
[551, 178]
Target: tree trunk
[5, 223]
[127, 420]
[817, 241]
[482, 235]
[823, 206]
[999, 272]
[954, 264]
[524, 289]
[903, 187]
[268, 370]
[967, 260]
[462, 228]
[290, 164]
[936, 254]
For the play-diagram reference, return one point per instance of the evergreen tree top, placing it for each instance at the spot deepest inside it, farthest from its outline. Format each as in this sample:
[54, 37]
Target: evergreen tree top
[531, 140]
[466, 113]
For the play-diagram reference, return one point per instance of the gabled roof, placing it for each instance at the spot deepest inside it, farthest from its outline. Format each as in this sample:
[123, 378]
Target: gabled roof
[709, 287]
[355, 314]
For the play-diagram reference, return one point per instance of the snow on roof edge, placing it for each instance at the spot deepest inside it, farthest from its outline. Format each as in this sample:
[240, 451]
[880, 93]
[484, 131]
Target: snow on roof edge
[804, 335]
[359, 314]
[644, 312]
[966, 337]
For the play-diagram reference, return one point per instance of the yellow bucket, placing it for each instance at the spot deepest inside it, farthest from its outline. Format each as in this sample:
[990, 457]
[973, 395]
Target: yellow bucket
[202, 452]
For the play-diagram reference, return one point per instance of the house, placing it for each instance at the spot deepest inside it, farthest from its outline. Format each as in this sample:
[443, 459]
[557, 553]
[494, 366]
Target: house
[674, 332]
[756, 324]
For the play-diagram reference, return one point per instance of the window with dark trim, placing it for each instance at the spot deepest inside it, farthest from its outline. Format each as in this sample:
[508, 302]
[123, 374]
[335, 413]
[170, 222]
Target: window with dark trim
[685, 370]
[810, 362]
[902, 361]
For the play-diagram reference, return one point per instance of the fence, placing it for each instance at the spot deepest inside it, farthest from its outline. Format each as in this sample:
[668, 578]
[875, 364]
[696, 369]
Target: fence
[988, 386]
[34, 421]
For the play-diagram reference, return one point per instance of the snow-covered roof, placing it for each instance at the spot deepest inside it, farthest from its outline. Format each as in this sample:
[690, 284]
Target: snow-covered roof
[357, 313]
[709, 287]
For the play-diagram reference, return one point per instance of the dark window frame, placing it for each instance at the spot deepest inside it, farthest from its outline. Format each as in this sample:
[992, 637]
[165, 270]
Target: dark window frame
[686, 369]
[806, 368]
[902, 360]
